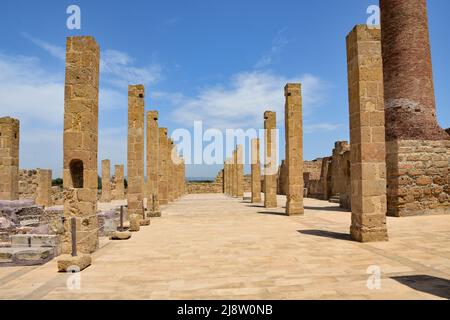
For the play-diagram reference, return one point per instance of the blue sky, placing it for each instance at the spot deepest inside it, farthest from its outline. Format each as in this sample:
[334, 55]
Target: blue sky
[223, 62]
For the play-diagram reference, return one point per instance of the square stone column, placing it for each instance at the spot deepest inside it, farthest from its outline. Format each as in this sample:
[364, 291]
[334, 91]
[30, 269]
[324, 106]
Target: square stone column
[294, 149]
[119, 183]
[163, 163]
[256, 172]
[234, 175]
[171, 170]
[135, 172]
[81, 143]
[9, 158]
[270, 160]
[106, 181]
[153, 164]
[44, 188]
[240, 171]
[367, 135]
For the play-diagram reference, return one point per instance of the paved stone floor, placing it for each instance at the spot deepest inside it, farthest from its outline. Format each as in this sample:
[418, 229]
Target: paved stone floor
[214, 247]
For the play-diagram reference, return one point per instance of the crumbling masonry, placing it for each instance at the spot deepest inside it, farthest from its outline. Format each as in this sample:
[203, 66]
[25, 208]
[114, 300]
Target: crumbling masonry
[270, 160]
[153, 151]
[81, 142]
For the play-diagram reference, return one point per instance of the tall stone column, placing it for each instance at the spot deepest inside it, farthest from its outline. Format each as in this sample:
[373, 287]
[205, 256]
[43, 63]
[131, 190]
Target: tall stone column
[106, 181]
[135, 172]
[270, 160]
[256, 172]
[367, 135]
[227, 176]
[418, 149]
[81, 142]
[153, 164]
[9, 158]
[171, 170]
[234, 175]
[119, 177]
[294, 149]
[44, 188]
[163, 179]
[240, 171]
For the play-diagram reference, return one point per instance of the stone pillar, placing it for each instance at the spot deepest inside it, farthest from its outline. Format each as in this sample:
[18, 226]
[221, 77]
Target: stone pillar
[135, 172]
[153, 164]
[256, 172]
[270, 160]
[163, 182]
[171, 170]
[9, 158]
[294, 149]
[119, 177]
[44, 188]
[417, 148]
[234, 175]
[81, 142]
[106, 181]
[240, 171]
[183, 170]
[367, 141]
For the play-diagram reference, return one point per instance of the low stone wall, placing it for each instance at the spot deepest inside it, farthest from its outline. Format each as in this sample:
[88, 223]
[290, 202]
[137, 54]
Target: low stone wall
[418, 177]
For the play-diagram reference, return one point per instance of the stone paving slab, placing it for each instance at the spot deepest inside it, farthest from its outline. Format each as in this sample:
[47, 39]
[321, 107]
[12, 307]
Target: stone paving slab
[209, 246]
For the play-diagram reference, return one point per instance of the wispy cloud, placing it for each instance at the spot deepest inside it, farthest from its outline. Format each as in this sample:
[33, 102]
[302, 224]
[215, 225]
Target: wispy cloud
[278, 44]
[243, 102]
[117, 67]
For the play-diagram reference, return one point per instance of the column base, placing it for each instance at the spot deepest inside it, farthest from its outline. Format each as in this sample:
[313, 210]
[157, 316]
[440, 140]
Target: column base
[120, 235]
[67, 263]
[156, 214]
[368, 235]
[144, 222]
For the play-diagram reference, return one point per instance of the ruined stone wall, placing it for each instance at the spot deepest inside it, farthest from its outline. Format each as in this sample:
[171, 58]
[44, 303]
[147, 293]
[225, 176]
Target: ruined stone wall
[420, 182]
[118, 191]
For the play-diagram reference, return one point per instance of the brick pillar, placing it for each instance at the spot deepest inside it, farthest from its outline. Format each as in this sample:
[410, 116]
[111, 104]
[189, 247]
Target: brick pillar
[256, 172]
[81, 142]
[153, 164]
[294, 149]
[106, 181]
[163, 182]
[234, 175]
[418, 149]
[9, 158]
[119, 177]
[240, 171]
[367, 141]
[270, 160]
[135, 170]
[44, 188]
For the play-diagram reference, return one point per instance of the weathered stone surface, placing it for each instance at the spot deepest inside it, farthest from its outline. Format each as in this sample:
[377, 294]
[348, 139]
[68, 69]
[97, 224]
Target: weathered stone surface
[367, 149]
[270, 160]
[135, 164]
[67, 263]
[256, 172]
[163, 167]
[144, 222]
[81, 142]
[9, 158]
[135, 223]
[117, 183]
[106, 181]
[239, 171]
[120, 235]
[294, 149]
[153, 154]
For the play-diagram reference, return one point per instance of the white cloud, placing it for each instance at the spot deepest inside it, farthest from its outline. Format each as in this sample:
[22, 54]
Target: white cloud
[29, 92]
[117, 67]
[242, 104]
